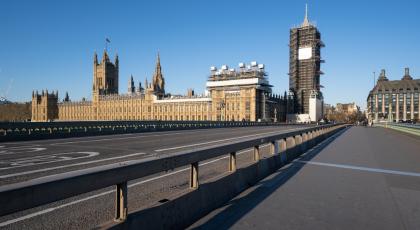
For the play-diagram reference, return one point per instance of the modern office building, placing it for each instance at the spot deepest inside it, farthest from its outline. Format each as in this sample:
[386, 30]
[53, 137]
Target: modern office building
[396, 100]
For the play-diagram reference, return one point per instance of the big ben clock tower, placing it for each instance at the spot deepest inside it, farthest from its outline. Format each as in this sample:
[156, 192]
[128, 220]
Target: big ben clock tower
[305, 64]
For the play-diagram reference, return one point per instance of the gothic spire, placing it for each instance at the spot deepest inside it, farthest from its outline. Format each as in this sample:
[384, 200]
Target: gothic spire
[116, 60]
[158, 81]
[158, 62]
[105, 57]
[306, 20]
[95, 58]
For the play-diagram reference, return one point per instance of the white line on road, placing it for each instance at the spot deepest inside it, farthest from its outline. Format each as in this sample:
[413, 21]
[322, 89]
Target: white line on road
[12, 221]
[66, 166]
[123, 138]
[215, 141]
[377, 170]
[45, 159]
[7, 151]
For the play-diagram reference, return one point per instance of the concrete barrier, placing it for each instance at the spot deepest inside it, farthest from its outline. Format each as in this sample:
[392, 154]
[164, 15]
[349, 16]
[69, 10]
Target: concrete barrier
[181, 211]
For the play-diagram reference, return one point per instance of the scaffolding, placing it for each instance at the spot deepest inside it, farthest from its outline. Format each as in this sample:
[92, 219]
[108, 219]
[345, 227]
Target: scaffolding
[304, 70]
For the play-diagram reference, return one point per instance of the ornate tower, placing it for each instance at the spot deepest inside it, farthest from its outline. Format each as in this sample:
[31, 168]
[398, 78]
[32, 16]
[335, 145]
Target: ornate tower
[131, 87]
[44, 106]
[105, 76]
[305, 64]
[158, 82]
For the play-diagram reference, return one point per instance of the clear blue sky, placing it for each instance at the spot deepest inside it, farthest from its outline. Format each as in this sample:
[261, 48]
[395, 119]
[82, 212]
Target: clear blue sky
[50, 44]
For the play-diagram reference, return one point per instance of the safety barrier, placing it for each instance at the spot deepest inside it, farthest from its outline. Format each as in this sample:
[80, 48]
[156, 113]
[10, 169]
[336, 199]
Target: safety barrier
[17, 131]
[402, 127]
[283, 146]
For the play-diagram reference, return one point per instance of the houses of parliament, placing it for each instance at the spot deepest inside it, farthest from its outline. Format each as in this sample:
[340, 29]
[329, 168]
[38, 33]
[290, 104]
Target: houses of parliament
[241, 94]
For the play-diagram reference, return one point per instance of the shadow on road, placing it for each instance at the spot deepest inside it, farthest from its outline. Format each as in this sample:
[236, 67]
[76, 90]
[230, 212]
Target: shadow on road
[240, 206]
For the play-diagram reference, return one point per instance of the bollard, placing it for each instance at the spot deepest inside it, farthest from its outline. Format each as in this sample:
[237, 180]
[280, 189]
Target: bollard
[194, 175]
[274, 147]
[256, 153]
[121, 202]
[232, 162]
[292, 145]
[283, 149]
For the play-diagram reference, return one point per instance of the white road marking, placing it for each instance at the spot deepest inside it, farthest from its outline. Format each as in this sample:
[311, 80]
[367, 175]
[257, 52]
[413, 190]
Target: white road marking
[31, 150]
[121, 138]
[215, 141]
[137, 136]
[376, 170]
[12, 221]
[44, 159]
[66, 166]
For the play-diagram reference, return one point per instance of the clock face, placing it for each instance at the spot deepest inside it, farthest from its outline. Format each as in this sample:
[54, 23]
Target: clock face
[305, 53]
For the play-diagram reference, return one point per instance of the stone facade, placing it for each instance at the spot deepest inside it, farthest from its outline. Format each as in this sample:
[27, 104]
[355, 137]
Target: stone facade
[396, 100]
[232, 95]
[305, 64]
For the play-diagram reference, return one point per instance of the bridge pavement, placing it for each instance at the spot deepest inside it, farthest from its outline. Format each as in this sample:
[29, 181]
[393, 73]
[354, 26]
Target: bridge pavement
[365, 178]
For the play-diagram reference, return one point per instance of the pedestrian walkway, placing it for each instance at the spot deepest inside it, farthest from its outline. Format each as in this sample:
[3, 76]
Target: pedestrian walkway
[365, 178]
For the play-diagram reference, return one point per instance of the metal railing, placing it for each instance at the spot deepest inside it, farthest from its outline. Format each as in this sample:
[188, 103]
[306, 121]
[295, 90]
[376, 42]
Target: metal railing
[403, 127]
[45, 190]
[10, 131]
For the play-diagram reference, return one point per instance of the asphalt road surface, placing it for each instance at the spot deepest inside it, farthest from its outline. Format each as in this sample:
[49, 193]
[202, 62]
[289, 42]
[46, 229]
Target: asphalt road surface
[365, 178]
[21, 161]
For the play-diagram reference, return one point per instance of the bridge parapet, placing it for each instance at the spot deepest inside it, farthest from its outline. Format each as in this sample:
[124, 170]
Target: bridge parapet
[17, 131]
[402, 127]
[284, 148]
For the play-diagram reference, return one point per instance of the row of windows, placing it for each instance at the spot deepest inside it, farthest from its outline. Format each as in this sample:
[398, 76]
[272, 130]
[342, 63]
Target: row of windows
[160, 117]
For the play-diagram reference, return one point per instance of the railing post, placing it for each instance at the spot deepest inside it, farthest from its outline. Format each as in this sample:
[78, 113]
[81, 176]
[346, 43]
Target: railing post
[283, 149]
[256, 153]
[274, 147]
[121, 202]
[232, 162]
[194, 175]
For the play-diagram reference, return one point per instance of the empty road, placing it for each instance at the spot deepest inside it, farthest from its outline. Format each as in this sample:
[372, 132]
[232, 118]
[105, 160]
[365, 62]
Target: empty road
[21, 161]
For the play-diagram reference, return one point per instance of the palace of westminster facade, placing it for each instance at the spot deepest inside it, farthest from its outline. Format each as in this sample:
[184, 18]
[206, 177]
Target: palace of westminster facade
[243, 94]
